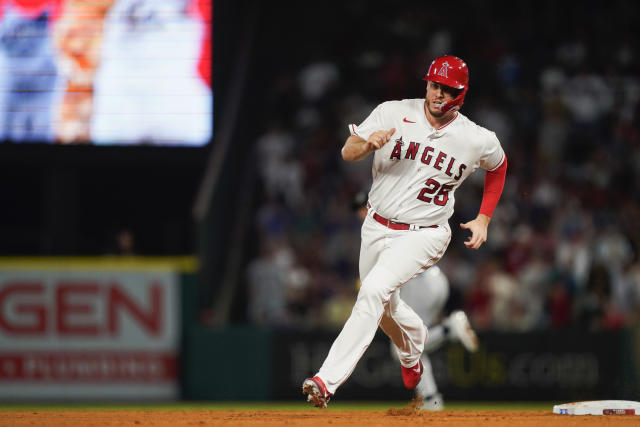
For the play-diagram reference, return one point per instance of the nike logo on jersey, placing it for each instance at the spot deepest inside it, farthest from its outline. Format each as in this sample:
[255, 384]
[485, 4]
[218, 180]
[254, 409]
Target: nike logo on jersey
[407, 121]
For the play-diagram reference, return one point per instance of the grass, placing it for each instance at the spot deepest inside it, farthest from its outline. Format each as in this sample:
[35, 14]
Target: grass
[269, 406]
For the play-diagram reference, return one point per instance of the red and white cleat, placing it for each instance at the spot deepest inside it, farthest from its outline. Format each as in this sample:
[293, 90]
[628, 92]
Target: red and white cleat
[316, 392]
[411, 376]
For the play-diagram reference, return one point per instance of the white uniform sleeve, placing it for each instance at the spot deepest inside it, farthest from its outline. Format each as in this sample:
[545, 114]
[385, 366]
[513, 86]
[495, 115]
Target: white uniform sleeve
[493, 154]
[374, 122]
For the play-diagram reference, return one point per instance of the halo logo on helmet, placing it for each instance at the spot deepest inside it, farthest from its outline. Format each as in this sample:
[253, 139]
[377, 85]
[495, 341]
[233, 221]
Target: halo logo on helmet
[453, 72]
[443, 70]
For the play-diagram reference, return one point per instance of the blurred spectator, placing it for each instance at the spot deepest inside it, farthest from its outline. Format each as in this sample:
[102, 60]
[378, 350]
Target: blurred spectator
[123, 242]
[587, 97]
[594, 307]
[338, 309]
[267, 277]
[559, 304]
[317, 79]
[126, 242]
[281, 172]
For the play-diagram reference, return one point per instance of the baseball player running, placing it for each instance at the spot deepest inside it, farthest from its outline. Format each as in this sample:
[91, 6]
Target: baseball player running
[423, 150]
[427, 294]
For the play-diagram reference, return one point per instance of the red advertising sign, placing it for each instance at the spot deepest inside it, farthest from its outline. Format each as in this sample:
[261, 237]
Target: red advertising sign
[95, 333]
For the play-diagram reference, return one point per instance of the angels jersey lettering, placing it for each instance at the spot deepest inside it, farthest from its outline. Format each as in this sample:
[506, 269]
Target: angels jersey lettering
[416, 173]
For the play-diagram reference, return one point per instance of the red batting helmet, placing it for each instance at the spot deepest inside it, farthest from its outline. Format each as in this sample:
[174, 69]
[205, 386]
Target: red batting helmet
[453, 72]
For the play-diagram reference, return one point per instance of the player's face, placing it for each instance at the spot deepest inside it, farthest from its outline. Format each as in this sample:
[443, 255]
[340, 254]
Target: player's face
[437, 94]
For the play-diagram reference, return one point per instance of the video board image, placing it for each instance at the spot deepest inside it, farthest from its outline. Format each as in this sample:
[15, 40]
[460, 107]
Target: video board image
[106, 72]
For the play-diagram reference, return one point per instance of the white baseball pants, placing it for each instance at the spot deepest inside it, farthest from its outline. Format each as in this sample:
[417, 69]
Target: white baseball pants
[388, 259]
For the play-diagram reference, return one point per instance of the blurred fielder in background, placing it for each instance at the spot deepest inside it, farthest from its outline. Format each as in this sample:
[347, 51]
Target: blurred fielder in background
[427, 294]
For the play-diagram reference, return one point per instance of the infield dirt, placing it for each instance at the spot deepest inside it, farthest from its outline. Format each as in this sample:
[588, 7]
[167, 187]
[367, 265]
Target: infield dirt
[310, 418]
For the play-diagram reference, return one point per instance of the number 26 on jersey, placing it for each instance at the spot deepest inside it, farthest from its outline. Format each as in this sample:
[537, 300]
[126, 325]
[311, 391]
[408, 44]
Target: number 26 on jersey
[433, 187]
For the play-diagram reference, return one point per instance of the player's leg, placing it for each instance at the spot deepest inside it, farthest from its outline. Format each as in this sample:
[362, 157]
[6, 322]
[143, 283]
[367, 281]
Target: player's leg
[427, 295]
[359, 330]
[458, 328]
[455, 328]
[336, 367]
[405, 329]
[374, 239]
[427, 389]
[405, 254]
[437, 337]
[400, 322]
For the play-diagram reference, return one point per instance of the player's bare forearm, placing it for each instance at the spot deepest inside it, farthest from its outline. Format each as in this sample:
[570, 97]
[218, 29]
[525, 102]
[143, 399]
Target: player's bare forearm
[478, 227]
[357, 148]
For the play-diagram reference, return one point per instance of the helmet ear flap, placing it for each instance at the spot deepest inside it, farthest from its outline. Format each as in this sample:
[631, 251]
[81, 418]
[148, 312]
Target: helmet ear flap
[456, 103]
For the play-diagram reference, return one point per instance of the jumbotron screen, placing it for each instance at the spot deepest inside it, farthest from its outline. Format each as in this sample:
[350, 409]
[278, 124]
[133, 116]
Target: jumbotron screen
[106, 72]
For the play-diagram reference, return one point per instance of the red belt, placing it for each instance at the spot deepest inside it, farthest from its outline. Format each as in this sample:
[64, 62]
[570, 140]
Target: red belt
[397, 225]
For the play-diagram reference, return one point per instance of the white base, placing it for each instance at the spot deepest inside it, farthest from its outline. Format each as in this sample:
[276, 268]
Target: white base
[599, 407]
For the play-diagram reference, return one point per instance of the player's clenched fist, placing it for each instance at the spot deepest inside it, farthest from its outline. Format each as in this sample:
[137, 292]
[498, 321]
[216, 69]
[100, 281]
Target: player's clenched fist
[378, 138]
[357, 148]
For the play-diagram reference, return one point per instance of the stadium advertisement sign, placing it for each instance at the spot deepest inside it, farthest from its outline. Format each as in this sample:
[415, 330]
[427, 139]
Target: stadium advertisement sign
[89, 334]
[547, 365]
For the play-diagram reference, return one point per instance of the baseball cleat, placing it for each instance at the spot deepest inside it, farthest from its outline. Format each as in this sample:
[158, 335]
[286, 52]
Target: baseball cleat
[460, 328]
[316, 392]
[411, 376]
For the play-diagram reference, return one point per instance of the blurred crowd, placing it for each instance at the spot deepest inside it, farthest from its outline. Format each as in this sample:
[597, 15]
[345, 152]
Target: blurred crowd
[563, 245]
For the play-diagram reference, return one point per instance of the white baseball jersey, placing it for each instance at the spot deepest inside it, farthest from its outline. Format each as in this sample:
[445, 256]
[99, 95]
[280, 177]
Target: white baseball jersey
[416, 173]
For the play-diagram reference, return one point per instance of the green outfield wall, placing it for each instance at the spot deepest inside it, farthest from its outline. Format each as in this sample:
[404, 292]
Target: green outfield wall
[249, 363]
[568, 365]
